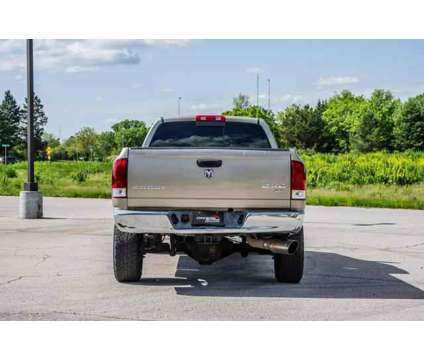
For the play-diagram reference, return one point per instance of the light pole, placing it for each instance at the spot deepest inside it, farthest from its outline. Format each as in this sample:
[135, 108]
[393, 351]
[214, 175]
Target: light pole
[30, 200]
[269, 94]
[30, 185]
[179, 106]
[257, 95]
[5, 152]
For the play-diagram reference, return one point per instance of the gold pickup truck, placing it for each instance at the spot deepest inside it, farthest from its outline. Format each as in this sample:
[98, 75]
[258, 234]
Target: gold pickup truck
[208, 186]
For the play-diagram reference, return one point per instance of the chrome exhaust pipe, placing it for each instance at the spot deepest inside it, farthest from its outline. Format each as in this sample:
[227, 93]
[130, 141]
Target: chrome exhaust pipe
[286, 247]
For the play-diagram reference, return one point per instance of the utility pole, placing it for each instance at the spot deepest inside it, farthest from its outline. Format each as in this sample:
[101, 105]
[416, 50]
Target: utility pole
[269, 94]
[257, 95]
[30, 201]
[179, 106]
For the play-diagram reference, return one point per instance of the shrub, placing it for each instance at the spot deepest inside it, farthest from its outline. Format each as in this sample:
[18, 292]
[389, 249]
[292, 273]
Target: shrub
[10, 173]
[79, 176]
[329, 170]
[4, 180]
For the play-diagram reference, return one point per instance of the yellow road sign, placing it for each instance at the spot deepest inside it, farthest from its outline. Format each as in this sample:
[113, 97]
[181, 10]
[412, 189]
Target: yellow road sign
[49, 153]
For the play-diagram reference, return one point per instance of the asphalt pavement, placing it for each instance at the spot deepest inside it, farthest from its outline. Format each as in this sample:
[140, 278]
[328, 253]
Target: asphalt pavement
[361, 264]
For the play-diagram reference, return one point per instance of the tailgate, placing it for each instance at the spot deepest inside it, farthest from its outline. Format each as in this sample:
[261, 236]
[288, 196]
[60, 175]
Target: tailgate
[208, 178]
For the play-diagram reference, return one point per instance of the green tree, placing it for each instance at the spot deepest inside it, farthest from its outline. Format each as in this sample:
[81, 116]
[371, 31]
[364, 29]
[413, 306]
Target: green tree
[82, 144]
[69, 147]
[129, 133]
[259, 112]
[241, 101]
[9, 120]
[39, 122]
[341, 117]
[409, 125]
[105, 144]
[304, 128]
[374, 129]
[50, 140]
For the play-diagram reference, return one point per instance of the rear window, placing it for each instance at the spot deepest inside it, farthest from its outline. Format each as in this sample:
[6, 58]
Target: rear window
[228, 135]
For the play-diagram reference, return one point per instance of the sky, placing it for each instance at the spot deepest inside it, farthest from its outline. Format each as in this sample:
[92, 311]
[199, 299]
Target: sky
[96, 83]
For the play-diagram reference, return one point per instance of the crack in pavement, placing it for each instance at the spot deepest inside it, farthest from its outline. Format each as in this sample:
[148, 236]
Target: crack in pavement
[12, 280]
[405, 247]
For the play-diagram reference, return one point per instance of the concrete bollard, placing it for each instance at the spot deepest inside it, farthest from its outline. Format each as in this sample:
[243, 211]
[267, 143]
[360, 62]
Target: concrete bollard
[30, 205]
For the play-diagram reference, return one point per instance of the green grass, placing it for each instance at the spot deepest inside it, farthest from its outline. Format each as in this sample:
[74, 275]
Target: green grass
[388, 196]
[394, 180]
[331, 170]
[88, 179]
[369, 180]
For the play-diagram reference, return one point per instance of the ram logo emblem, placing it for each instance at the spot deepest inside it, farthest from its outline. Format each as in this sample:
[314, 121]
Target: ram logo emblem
[209, 173]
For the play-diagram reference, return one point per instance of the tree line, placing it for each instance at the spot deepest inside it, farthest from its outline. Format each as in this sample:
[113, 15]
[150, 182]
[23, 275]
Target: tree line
[85, 144]
[88, 144]
[342, 123]
[345, 122]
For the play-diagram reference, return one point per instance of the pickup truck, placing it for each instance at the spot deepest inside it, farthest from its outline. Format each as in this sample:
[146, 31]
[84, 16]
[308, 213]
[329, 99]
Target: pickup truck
[208, 186]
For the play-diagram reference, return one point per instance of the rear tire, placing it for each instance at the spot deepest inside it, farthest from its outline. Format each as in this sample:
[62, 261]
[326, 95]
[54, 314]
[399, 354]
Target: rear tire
[289, 268]
[127, 256]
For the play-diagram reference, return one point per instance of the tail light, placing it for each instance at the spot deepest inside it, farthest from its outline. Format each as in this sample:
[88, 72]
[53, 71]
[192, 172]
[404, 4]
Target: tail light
[119, 178]
[298, 180]
[218, 118]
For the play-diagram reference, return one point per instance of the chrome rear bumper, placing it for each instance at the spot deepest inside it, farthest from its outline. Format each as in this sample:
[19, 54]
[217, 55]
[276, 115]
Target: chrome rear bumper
[256, 221]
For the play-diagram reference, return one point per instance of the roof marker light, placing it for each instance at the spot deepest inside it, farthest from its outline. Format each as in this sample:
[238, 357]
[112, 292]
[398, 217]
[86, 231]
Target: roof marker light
[219, 118]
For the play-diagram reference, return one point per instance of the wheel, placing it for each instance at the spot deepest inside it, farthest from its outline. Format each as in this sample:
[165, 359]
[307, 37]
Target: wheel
[289, 268]
[127, 256]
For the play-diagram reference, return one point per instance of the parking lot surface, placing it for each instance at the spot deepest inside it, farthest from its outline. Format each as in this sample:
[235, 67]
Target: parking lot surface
[361, 264]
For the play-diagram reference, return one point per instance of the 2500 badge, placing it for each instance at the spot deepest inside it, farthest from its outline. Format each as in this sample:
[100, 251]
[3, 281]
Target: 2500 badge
[274, 187]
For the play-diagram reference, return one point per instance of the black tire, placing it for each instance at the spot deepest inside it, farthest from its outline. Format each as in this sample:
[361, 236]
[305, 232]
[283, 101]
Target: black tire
[289, 268]
[127, 256]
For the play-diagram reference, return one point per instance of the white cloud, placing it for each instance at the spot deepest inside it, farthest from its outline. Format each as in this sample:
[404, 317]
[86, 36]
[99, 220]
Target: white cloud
[337, 80]
[77, 55]
[253, 97]
[77, 69]
[167, 90]
[167, 42]
[291, 98]
[204, 107]
[254, 70]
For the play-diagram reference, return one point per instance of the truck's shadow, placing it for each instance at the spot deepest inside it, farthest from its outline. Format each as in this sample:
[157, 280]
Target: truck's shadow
[327, 275]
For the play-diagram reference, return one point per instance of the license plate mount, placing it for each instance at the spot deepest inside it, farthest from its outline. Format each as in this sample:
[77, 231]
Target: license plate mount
[207, 218]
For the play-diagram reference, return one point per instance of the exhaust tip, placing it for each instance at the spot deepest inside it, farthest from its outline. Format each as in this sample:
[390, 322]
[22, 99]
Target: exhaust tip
[292, 248]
